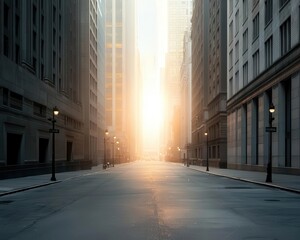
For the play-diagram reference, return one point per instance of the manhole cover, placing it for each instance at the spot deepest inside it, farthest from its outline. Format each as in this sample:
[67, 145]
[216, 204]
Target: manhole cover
[6, 202]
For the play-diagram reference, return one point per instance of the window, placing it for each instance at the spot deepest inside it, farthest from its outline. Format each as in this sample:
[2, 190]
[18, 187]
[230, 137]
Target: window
[54, 36]
[59, 23]
[230, 87]
[237, 52]
[54, 59]
[230, 32]
[245, 74]
[17, 28]
[6, 15]
[16, 101]
[42, 24]
[54, 14]
[268, 11]
[237, 82]
[39, 109]
[34, 41]
[269, 52]
[34, 14]
[245, 41]
[255, 64]
[285, 36]
[256, 27]
[230, 60]
[245, 9]
[237, 25]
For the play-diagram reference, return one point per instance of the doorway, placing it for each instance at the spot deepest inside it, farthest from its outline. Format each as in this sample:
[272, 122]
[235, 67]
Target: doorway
[69, 151]
[43, 149]
[13, 148]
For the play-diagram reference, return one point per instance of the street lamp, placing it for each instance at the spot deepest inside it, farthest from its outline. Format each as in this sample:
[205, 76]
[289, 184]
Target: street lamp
[117, 142]
[119, 161]
[113, 150]
[55, 112]
[269, 166]
[104, 158]
[179, 151]
[207, 167]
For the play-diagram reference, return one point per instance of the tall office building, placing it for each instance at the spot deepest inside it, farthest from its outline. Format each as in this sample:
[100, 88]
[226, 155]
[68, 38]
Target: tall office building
[179, 21]
[35, 78]
[120, 73]
[209, 38]
[46, 60]
[90, 74]
[186, 95]
[101, 78]
[263, 69]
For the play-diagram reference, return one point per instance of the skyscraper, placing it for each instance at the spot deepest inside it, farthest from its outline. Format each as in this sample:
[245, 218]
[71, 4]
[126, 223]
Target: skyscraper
[120, 71]
[209, 37]
[179, 17]
[90, 65]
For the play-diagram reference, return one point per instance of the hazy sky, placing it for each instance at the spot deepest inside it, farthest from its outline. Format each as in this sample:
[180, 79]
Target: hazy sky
[152, 44]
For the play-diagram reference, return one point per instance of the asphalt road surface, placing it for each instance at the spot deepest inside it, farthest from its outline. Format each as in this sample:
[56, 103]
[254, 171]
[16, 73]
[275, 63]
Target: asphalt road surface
[150, 201]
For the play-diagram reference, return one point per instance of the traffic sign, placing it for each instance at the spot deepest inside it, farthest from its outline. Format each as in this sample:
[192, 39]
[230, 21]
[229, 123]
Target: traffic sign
[53, 130]
[271, 129]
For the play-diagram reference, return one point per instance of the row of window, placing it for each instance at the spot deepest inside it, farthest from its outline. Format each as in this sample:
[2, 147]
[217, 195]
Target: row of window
[268, 17]
[17, 101]
[268, 7]
[285, 46]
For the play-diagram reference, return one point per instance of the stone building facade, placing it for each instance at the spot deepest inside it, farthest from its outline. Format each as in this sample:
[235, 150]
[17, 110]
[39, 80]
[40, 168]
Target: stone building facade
[209, 43]
[263, 68]
[39, 69]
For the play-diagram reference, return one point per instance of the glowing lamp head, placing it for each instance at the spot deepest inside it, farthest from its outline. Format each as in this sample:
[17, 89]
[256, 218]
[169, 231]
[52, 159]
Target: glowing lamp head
[55, 111]
[271, 108]
[106, 132]
[205, 134]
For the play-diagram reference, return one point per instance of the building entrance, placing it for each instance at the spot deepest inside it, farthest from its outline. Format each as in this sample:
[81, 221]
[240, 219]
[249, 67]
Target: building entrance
[13, 148]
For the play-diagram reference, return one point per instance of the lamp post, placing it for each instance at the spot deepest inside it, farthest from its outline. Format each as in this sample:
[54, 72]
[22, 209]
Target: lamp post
[269, 166]
[119, 155]
[104, 158]
[55, 112]
[207, 167]
[113, 150]
[117, 142]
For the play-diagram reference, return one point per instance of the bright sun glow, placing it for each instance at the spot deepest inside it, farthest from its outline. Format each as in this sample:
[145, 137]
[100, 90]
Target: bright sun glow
[152, 111]
[152, 44]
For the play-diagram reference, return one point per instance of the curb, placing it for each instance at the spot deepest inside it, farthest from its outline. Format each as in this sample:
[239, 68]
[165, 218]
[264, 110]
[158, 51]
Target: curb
[28, 188]
[251, 181]
[45, 184]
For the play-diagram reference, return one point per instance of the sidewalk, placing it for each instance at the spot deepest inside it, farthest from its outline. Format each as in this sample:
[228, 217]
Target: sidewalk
[13, 185]
[281, 181]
